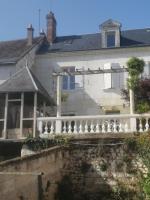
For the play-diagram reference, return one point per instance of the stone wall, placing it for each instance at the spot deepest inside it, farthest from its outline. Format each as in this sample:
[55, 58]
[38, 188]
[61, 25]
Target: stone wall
[20, 186]
[48, 162]
[90, 169]
[99, 171]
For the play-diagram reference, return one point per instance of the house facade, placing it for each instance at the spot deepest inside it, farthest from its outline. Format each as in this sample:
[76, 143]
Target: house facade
[81, 95]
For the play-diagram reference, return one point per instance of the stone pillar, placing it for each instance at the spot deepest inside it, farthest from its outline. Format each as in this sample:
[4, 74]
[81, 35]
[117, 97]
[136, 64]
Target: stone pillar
[132, 110]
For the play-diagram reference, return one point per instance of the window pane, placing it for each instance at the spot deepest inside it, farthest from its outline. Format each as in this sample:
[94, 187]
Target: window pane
[28, 105]
[110, 39]
[65, 82]
[14, 95]
[72, 82]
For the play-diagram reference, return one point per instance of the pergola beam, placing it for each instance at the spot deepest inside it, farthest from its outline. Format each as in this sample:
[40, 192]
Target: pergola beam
[89, 71]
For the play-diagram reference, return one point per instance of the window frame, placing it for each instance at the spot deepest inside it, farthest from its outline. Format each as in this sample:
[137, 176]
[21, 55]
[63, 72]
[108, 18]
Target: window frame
[70, 85]
[110, 33]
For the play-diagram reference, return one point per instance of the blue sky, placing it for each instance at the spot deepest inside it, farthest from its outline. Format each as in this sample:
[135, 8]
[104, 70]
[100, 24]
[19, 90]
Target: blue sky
[73, 16]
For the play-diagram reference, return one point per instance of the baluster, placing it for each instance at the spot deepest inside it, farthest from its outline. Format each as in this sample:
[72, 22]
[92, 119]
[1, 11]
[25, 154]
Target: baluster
[120, 127]
[64, 128]
[146, 125]
[103, 127]
[40, 127]
[97, 127]
[86, 127]
[114, 127]
[69, 127]
[92, 127]
[108, 126]
[126, 129]
[52, 127]
[46, 129]
[75, 127]
[80, 127]
[140, 126]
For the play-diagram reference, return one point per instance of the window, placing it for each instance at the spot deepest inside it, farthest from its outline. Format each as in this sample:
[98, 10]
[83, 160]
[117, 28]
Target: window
[111, 39]
[113, 80]
[69, 81]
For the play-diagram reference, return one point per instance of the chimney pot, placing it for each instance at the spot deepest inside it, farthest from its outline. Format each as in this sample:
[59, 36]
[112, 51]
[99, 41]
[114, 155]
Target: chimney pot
[42, 33]
[30, 31]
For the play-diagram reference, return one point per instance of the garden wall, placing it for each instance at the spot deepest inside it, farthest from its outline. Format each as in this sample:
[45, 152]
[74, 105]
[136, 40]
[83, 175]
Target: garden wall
[86, 170]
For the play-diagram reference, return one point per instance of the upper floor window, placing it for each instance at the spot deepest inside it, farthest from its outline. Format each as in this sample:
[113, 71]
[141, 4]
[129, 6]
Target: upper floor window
[110, 39]
[68, 80]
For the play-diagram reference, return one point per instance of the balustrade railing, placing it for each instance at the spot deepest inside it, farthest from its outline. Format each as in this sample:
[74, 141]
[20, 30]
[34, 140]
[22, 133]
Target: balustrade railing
[93, 124]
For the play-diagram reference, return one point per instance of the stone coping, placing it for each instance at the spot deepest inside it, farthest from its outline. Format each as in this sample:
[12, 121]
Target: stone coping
[30, 157]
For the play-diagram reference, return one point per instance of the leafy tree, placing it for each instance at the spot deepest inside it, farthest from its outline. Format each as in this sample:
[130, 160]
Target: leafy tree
[140, 87]
[135, 68]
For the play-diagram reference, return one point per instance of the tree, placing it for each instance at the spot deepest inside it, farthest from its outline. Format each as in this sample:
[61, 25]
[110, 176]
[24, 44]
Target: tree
[135, 68]
[140, 87]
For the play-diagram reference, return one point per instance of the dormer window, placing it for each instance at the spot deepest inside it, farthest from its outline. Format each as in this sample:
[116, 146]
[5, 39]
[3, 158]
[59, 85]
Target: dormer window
[110, 39]
[110, 34]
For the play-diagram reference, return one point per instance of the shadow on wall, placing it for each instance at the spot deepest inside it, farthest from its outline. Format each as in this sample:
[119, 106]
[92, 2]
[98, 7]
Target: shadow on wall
[100, 172]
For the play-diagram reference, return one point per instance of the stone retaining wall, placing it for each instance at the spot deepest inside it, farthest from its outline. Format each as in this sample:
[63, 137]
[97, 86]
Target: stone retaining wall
[87, 170]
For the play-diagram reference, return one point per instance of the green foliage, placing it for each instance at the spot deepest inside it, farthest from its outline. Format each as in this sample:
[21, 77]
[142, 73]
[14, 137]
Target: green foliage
[37, 144]
[142, 107]
[133, 82]
[62, 140]
[141, 96]
[131, 144]
[103, 167]
[146, 185]
[142, 144]
[135, 68]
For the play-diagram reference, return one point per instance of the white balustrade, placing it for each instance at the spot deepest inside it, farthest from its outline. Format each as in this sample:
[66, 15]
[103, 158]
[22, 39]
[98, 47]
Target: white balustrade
[94, 124]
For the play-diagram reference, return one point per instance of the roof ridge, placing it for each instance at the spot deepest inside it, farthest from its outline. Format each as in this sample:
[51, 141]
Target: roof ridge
[20, 39]
[32, 79]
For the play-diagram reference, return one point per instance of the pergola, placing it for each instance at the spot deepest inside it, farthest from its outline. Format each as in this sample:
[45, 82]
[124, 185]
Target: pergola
[78, 72]
[22, 94]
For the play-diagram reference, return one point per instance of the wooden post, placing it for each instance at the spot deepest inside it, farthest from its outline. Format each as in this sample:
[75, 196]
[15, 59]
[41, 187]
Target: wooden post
[132, 110]
[21, 115]
[132, 106]
[58, 96]
[34, 114]
[5, 116]
[58, 122]
[44, 109]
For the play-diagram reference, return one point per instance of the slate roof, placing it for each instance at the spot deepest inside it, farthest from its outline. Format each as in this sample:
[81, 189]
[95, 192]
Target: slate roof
[129, 38]
[12, 51]
[24, 81]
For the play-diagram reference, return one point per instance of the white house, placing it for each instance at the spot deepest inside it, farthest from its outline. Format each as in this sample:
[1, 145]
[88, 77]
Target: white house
[87, 84]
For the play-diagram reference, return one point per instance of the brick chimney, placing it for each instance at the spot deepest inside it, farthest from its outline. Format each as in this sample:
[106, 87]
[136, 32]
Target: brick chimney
[30, 31]
[51, 27]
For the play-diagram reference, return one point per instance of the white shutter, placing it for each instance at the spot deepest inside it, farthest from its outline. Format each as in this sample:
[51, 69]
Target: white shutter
[115, 76]
[107, 76]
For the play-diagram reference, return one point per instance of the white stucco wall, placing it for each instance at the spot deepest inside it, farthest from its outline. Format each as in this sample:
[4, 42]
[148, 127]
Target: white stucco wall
[89, 97]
